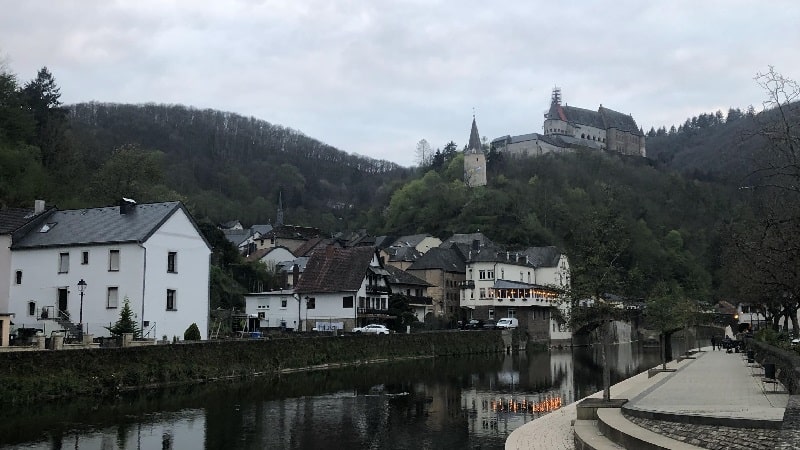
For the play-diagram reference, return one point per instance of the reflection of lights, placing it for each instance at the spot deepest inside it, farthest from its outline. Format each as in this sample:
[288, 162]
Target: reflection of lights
[511, 405]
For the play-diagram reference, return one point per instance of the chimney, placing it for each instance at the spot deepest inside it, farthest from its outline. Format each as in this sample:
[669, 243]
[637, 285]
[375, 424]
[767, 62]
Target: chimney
[126, 206]
[295, 274]
[38, 206]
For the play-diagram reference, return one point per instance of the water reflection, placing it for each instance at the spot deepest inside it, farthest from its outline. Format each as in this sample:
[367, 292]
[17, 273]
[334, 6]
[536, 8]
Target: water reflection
[472, 402]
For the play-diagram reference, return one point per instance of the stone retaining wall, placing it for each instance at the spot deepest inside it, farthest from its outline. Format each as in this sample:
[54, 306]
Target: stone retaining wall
[26, 377]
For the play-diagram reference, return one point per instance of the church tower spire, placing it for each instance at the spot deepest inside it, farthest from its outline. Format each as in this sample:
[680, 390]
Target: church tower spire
[279, 218]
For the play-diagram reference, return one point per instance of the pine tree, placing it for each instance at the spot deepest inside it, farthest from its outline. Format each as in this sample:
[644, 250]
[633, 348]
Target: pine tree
[126, 322]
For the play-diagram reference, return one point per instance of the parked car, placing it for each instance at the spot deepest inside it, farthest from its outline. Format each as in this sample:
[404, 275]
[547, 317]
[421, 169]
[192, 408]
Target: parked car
[474, 324]
[372, 328]
[489, 325]
[507, 323]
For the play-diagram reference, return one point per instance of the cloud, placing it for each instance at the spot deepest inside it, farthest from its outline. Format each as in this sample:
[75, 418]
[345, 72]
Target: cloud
[376, 77]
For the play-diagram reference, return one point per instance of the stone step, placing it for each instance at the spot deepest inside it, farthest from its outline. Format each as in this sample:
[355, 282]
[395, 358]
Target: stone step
[589, 437]
[612, 424]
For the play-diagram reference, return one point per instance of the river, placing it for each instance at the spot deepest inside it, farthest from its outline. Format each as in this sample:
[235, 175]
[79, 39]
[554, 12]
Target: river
[451, 403]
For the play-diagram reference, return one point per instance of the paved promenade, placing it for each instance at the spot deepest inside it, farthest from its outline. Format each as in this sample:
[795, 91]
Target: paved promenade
[713, 401]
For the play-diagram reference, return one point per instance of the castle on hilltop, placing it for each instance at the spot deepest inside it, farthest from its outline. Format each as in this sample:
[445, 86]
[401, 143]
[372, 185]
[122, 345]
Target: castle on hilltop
[567, 128]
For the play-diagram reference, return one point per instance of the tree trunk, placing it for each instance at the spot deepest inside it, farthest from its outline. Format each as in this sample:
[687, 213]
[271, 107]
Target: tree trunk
[663, 338]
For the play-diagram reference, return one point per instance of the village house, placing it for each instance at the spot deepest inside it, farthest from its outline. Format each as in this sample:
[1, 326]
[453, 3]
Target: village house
[74, 269]
[340, 289]
[524, 285]
[414, 289]
[443, 269]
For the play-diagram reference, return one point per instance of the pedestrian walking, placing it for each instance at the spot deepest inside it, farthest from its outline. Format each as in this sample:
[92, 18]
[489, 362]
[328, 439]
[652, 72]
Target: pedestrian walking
[713, 342]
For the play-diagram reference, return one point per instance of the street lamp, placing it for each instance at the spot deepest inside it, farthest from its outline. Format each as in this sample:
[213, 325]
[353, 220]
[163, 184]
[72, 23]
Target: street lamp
[81, 289]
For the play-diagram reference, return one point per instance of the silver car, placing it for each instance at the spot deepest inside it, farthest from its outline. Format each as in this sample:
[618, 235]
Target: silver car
[372, 328]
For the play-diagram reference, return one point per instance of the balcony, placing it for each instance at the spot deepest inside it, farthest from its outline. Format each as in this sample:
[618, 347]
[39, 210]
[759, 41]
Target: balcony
[468, 284]
[376, 289]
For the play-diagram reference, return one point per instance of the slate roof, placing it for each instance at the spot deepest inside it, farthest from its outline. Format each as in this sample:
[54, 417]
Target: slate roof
[235, 236]
[411, 240]
[335, 269]
[101, 226]
[543, 256]
[12, 219]
[603, 118]
[474, 139]
[403, 254]
[294, 232]
[618, 120]
[446, 259]
[468, 238]
[401, 277]
[287, 266]
[382, 242]
[261, 229]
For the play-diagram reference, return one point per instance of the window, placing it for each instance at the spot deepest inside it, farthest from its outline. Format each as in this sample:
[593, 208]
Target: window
[84, 258]
[112, 298]
[490, 274]
[171, 300]
[491, 313]
[520, 277]
[283, 302]
[63, 262]
[483, 293]
[113, 260]
[31, 308]
[18, 277]
[512, 312]
[482, 274]
[172, 262]
[502, 274]
[347, 302]
[311, 303]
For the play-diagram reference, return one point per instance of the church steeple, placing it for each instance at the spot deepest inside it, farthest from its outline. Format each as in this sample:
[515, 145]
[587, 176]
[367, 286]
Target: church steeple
[279, 218]
[474, 138]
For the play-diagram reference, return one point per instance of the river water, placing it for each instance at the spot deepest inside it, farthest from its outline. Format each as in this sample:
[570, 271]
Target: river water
[452, 403]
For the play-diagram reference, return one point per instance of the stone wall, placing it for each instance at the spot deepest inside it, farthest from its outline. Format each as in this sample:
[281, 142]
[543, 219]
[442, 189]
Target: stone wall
[33, 376]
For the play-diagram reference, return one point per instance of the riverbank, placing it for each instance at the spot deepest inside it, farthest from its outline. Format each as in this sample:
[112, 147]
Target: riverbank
[29, 377]
[712, 400]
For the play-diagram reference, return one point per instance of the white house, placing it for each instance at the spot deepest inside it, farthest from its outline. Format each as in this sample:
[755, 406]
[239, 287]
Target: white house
[344, 287]
[524, 285]
[78, 266]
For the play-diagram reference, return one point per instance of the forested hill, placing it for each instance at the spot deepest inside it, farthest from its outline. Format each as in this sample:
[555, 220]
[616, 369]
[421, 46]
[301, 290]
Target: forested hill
[229, 166]
[715, 146]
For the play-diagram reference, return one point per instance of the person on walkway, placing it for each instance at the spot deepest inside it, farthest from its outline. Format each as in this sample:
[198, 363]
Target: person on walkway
[713, 342]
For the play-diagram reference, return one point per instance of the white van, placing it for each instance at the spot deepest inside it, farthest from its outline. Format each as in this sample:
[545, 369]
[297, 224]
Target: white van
[507, 323]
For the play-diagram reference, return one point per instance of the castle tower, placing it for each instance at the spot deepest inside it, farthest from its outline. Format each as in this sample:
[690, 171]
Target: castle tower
[474, 159]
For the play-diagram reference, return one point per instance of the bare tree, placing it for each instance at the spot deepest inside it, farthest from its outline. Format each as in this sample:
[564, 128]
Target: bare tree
[424, 153]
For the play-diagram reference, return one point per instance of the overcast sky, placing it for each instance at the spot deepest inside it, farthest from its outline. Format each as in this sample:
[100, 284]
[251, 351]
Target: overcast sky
[375, 77]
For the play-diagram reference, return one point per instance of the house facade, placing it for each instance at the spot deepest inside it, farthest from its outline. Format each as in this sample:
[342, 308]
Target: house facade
[443, 269]
[342, 288]
[413, 288]
[78, 267]
[502, 284]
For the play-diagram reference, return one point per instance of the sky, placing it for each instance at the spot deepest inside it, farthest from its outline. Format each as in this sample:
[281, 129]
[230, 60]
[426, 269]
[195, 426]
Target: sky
[375, 77]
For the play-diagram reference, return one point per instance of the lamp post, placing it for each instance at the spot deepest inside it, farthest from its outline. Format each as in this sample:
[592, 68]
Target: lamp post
[81, 289]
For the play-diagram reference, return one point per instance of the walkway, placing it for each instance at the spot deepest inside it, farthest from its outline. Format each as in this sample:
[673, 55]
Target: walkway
[718, 390]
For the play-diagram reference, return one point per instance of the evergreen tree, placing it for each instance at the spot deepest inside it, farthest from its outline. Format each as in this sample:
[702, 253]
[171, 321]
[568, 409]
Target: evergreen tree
[126, 322]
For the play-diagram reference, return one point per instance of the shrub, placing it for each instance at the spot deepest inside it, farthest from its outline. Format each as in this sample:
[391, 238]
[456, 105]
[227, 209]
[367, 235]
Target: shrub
[192, 333]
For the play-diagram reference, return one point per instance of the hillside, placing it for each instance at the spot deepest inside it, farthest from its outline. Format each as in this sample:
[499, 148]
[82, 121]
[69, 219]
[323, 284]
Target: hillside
[708, 149]
[229, 166]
